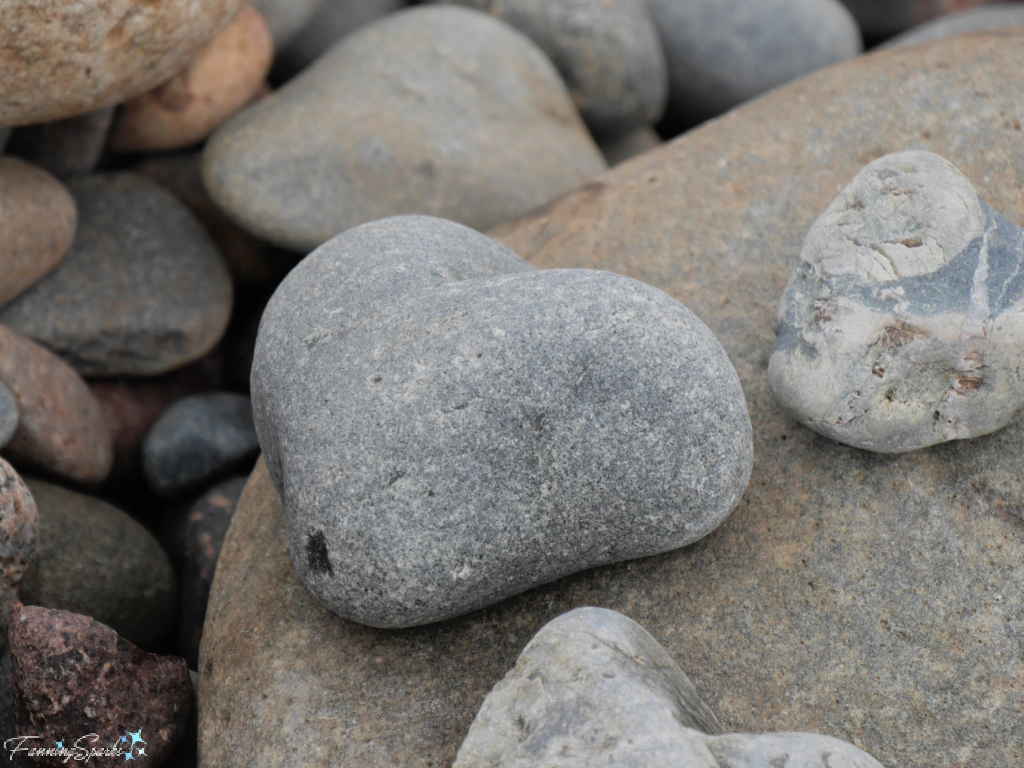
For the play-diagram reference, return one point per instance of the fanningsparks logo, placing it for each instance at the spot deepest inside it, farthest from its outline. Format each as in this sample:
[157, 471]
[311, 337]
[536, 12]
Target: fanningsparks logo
[131, 746]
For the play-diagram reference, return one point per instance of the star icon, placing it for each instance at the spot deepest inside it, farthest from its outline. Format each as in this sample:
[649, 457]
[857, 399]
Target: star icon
[60, 745]
[142, 751]
[137, 737]
[128, 756]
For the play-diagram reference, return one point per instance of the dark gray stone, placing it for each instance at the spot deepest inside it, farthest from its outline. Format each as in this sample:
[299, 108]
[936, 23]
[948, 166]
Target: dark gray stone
[198, 439]
[974, 20]
[186, 754]
[881, 18]
[448, 426]
[143, 290]
[619, 149]
[93, 559]
[65, 148]
[900, 328]
[435, 110]
[594, 688]
[8, 415]
[286, 17]
[608, 53]
[721, 53]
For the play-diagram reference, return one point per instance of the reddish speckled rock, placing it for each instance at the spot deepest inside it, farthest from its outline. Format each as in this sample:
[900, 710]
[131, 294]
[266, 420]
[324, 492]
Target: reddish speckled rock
[19, 528]
[72, 676]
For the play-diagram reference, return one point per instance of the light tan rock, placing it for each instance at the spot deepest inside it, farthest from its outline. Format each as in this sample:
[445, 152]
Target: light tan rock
[61, 429]
[60, 58]
[38, 217]
[219, 82]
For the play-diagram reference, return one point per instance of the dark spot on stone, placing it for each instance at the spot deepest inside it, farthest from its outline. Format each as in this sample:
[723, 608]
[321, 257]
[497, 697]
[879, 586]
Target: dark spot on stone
[936, 416]
[376, 379]
[968, 383]
[316, 554]
[396, 475]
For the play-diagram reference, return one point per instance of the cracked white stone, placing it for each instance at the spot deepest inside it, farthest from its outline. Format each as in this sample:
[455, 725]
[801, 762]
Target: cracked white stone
[594, 688]
[904, 323]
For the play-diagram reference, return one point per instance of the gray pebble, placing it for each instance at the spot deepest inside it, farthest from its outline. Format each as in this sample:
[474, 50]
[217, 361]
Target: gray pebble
[286, 17]
[900, 328]
[65, 148]
[594, 688]
[8, 415]
[721, 53]
[625, 146]
[435, 110]
[198, 439]
[448, 426]
[143, 290]
[978, 19]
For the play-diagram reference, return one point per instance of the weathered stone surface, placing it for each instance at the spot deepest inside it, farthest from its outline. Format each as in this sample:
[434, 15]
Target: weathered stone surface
[721, 54]
[60, 58]
[876, 599]
[977, 19]
[880, 18]
[902, 325]
[436, 110]
[286, 17]
[93, 559]
[619, 149]
[143, 290]
[608, 53]
[8, 415]
[72, 676]
[61, 430]
[65, 148]
[185, 755]
[449, 427]
[38, 217]
[593, 687]
[198, 439]
[19, 527]
[221, 80]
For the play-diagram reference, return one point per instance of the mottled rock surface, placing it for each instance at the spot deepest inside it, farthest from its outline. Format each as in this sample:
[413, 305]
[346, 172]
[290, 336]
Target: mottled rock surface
[901, 327]
[449, 427]
[286, 17]
[608, 53]
[19, 527]
[721, 54]
[972, 20]
[38, 217]
[61, 430]
[143, 290]
[8, 415]
[221, 80]
[873, 598]
[593, 687]
[435, 110]
[65, 148]
[95, 560]
[72, 676]
[197, 439]
[880, 18]
[95, 55]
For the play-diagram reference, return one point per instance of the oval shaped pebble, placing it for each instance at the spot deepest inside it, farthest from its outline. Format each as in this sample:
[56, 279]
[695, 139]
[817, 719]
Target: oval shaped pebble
[61, 429]
[608, 53]
[143, 290]
[38, 217]
[286, 18]
[902, 325]
[197, 439]
[448, 426]
[390, 122]
[19, 529]
[977, 19]
[214, 86]
[8, 415]
[60, 58]
[94, 559]
[65, 148]
[881, 18]
[593, 687]
[721, 54]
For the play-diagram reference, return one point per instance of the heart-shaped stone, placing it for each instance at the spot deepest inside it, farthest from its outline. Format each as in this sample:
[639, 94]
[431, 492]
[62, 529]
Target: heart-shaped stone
[448, 426]
[594, 688]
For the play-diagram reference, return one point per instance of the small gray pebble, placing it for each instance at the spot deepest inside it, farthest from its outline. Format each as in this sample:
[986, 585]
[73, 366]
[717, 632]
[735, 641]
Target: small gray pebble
[978, 19]
[8, 415]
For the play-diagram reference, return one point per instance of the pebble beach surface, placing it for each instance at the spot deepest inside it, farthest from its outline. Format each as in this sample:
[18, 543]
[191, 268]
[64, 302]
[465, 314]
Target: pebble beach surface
[479, 384]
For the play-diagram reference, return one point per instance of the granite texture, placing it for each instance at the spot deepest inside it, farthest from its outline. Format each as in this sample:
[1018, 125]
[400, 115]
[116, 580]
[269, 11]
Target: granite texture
[19, 529]
[61, 58]
[75, 681]
[876, 599]
[721, 53]
[38, 217]
[608, 53]
[448, 426]
[901, 326]
[143, 290]
[435, 110]
[221, 80]
[977, 19]
[880, 18]
[8, 415]
[95, 560]
[61, 430]
[197, 439]
[65, 148]
[594, 688]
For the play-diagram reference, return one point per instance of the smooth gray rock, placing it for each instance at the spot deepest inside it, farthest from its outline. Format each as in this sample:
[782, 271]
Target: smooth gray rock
[619, 149]
[142, 291]
[902, 327]
[8, 415]
[65, 148]
[594, 688]
[448, 426]
[435, 110]
[608, 53]
[197, 439]
[977, 19]
[286, 17]
[882, 18]
[721, 53]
